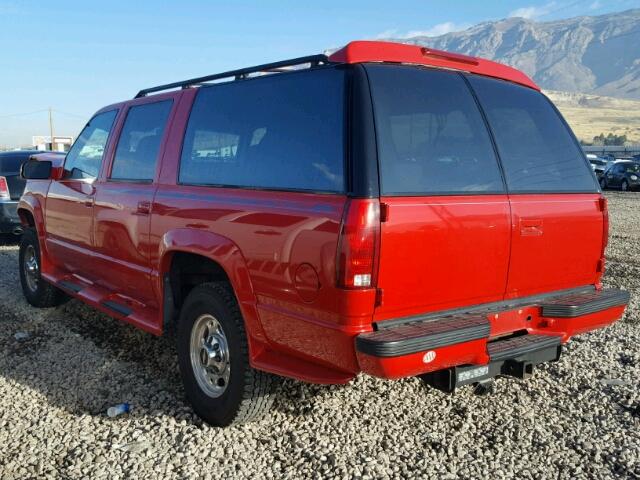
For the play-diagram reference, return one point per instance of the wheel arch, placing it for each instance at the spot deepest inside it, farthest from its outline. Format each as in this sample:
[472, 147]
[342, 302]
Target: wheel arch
[205, 256]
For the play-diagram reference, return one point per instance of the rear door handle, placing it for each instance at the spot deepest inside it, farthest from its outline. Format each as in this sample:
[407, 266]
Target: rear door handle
[144, 208]
[531, 227]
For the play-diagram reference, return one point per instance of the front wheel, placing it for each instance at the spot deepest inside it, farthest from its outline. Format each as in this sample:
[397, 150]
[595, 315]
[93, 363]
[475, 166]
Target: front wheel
[603, 183]
[35, 289]
[624, 186]
[213, 356]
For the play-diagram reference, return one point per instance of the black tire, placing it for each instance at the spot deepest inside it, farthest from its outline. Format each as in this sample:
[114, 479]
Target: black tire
[624, 186]
[603, 183]
[36, 290]
[249, 393]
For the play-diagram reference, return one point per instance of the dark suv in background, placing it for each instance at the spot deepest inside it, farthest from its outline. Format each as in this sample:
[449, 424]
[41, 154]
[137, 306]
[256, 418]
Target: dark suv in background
[11, 188]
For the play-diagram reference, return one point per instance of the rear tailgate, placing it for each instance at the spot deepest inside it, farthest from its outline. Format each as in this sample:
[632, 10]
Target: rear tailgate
[556, 242]
[442, 252]
[557, 217]
[446, 226]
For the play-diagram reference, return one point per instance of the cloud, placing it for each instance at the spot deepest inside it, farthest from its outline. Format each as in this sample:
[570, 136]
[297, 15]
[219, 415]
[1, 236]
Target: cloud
[436, 30]
[532, 11]
[595, 5]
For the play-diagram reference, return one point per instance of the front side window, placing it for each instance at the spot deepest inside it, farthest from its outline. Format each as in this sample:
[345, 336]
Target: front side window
[137, 152]
[536, 148]
[431, 137]
[283, 131]
[85, 157]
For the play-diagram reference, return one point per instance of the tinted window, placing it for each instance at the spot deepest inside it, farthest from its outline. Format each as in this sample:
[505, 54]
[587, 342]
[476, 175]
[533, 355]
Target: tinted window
[85, 157]
[139, 143]
[431, 136]
[536, 148]
[283, 131]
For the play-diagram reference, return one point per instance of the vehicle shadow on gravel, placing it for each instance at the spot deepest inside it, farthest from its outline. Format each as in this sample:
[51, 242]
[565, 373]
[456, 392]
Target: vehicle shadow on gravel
[84, 362]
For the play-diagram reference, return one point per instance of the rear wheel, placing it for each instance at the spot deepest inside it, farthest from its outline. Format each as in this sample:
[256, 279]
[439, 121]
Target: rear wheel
[36, 290]
[213, 355]
[625, 186]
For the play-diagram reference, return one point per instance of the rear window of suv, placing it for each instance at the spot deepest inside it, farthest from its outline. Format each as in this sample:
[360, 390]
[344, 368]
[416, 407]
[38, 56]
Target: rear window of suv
[536, 148]
[431, 136]
[281, 132]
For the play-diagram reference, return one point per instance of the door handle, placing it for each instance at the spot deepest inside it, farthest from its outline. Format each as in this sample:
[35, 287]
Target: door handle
[144, 208]
[531, 227]
[88, 202]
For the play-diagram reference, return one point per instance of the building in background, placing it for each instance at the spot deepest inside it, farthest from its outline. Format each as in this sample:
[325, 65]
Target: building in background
[59, 144]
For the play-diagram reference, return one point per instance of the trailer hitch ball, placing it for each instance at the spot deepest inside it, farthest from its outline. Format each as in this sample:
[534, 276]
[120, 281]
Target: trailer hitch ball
[484, 387]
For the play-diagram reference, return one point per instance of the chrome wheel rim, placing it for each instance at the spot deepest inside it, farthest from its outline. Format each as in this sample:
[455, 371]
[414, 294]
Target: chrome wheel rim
[210, 358]
[31, 268]
[624, 186]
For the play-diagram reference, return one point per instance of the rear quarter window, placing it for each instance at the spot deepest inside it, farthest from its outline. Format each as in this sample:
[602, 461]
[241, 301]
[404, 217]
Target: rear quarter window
[283, 131]
[536, 148]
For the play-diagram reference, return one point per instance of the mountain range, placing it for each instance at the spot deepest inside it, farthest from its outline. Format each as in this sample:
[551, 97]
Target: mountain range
[590, 54]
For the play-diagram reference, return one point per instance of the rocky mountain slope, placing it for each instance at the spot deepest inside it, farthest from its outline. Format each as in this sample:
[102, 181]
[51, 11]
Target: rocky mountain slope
[599, 54]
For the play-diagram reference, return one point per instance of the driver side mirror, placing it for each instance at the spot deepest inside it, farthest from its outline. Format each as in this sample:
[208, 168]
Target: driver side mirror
[36, 170]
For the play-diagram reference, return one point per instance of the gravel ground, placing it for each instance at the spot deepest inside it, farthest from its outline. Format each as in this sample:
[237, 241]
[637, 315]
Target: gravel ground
[578, 418]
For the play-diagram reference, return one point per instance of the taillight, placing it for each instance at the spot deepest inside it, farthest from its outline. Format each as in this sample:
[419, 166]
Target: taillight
[4, 189]
[358, 244]
[602, 203]
[605, 223]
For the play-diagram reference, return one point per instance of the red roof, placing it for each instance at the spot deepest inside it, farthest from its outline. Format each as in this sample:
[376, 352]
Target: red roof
[370, 51]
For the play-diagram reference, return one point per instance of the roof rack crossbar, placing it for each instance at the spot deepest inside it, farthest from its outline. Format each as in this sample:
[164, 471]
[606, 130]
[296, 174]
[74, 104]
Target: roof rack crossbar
[239, 74]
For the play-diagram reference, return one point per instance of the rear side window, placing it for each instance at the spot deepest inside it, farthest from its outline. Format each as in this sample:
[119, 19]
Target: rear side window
[431, 136]
[284, 131]
[85, 157]
[537, 150]
[139, 144]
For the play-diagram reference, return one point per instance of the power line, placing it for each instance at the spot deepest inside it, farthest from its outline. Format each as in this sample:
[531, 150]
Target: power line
[23, 114]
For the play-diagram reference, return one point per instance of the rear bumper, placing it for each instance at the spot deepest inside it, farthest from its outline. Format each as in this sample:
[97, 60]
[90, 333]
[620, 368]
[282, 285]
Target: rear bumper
[416, 347]
[9, 219]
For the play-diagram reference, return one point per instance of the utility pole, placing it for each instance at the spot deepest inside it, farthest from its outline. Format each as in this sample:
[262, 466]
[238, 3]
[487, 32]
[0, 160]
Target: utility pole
[51, 127]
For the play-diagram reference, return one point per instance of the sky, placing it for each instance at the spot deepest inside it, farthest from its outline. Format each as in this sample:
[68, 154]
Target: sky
[78, 56]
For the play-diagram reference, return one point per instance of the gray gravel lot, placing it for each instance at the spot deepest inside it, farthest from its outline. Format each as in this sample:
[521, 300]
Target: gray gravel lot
[578, 418]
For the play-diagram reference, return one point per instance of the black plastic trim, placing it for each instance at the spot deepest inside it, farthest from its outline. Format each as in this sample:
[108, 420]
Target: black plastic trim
[584, 304]
[516, 347]
[73, 287]
[420, 336]
[483, 307]
[362, 168]
[116, 307]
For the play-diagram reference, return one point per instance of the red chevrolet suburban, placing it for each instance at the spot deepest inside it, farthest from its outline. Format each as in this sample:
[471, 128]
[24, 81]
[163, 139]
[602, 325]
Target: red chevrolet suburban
[388, 209]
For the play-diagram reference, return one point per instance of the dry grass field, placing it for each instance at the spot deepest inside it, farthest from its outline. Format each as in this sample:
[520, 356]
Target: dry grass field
[591, 115]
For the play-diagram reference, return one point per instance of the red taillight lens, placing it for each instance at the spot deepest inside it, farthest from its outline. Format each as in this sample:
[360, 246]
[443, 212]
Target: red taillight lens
[605, 225]
[602, 203]
[4, 189]
[359, 243]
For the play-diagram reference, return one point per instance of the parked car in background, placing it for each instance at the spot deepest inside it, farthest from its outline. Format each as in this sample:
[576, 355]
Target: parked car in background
[623, 174]
[11, 188]
[388, 209]
[598, 164]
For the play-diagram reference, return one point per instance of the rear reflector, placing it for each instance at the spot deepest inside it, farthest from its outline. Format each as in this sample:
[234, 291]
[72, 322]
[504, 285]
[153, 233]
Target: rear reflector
[4, 189]
[359, 243]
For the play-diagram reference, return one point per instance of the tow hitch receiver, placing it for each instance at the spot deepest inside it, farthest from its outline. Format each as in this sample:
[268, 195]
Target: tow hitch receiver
[521, 367]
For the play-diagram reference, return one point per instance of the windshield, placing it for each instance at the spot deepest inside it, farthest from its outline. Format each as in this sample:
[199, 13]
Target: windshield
[633, 168]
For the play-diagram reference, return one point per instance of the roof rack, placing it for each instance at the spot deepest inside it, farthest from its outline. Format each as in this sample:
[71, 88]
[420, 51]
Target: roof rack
[239, 74]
